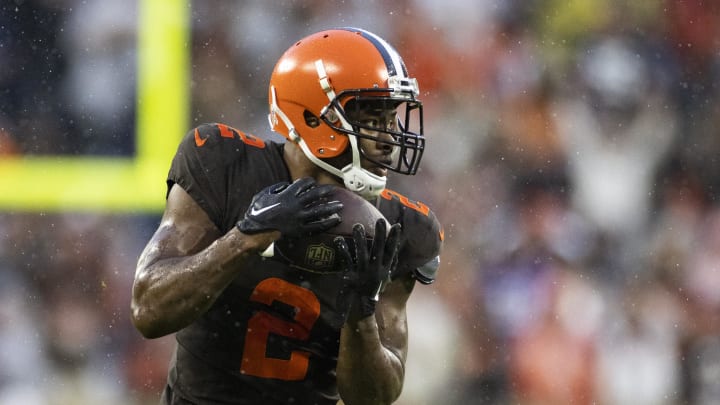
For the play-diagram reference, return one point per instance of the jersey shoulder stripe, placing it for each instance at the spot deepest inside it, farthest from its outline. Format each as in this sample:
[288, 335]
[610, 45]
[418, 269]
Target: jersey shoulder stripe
[206, 135]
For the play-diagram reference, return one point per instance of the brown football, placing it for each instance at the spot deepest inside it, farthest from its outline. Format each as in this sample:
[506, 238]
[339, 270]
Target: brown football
[317, 253]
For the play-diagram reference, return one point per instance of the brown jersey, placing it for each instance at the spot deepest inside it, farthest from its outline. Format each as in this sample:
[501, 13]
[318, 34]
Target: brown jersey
[272, 337]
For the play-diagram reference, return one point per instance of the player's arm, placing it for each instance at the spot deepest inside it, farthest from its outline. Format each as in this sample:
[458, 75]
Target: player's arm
[373, 350]
[186, 265]
[188, 262]
[373, 340]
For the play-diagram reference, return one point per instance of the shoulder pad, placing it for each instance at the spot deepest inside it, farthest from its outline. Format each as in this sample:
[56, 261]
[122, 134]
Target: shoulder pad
[422, 234]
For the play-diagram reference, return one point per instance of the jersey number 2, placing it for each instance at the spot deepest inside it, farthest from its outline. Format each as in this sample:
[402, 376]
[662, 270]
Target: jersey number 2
[255, 361]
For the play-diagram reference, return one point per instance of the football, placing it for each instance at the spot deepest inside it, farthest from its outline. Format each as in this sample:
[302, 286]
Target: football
[317, 253]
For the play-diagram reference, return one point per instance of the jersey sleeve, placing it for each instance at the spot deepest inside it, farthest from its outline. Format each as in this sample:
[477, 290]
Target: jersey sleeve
[201, 167]
[422, 236]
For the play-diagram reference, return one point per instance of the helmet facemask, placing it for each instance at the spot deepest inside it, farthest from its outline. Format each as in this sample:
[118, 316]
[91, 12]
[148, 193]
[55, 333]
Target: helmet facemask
[394, 133]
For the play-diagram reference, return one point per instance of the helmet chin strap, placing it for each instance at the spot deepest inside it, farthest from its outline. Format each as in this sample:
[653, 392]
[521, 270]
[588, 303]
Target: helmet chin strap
[366, 184]
[355, 178]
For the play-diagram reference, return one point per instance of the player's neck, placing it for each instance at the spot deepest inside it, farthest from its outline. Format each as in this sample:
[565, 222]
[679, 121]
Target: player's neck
[300, 166]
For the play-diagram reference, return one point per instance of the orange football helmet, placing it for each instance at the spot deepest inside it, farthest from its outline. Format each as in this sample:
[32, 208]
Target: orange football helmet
[313, 83]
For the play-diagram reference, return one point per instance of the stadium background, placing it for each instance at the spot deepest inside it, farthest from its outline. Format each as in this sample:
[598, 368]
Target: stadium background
[572, 157]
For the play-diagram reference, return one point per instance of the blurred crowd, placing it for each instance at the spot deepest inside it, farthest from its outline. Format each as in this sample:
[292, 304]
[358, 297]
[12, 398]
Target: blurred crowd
[572, 158]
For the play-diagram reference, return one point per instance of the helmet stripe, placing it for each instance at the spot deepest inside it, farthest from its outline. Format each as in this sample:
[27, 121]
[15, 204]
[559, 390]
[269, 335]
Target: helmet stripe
[393, 61]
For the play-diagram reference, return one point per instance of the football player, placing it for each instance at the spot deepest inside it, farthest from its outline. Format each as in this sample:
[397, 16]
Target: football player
[250, 327]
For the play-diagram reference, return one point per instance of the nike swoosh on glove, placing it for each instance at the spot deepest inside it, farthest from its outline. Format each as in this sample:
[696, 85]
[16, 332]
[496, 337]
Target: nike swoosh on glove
[297, 209]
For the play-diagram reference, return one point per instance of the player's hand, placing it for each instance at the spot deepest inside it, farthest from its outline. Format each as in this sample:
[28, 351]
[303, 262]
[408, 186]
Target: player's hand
[299, 209]
[366, 269]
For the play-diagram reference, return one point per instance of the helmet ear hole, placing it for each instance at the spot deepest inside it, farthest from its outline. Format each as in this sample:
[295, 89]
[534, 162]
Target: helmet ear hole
[311, 119]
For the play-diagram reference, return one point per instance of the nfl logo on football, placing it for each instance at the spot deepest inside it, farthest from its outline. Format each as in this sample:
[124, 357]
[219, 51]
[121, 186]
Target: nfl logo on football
[319, 256]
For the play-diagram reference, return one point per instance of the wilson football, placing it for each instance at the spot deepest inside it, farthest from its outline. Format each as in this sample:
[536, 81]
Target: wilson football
[317, 253]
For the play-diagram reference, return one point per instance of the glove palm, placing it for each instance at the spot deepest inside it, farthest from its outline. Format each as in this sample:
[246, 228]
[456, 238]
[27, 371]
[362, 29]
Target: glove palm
[367, 270]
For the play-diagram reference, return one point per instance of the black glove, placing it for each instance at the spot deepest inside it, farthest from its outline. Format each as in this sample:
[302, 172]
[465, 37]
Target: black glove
[296, 210]
[365, 272]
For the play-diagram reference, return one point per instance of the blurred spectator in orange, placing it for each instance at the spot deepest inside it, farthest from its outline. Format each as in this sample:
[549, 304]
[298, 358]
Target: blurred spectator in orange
[552, 359]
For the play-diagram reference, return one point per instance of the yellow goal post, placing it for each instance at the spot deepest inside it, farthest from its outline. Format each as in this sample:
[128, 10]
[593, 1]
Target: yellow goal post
[113, 184]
